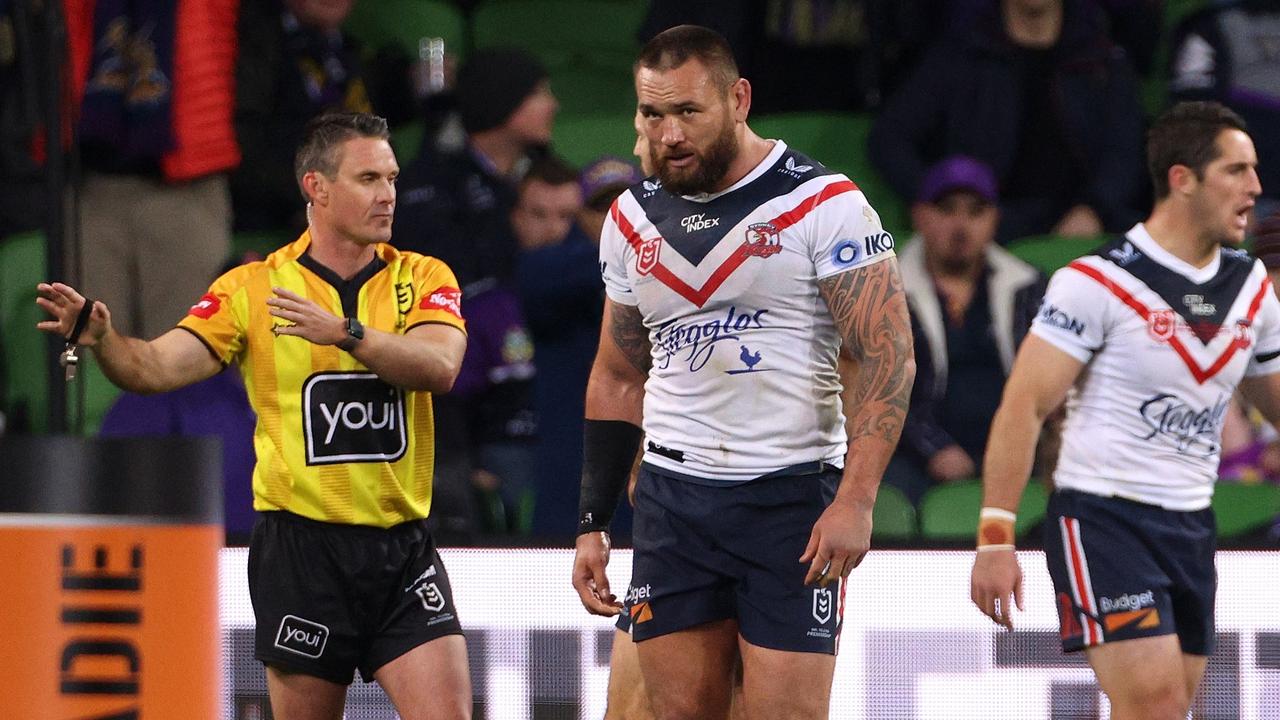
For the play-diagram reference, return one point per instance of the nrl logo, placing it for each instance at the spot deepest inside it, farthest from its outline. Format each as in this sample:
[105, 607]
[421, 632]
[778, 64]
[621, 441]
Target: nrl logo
[1161, 325]
[647, 255]
[762, 240]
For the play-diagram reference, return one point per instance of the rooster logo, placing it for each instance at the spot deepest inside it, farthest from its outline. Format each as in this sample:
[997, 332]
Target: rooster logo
[748, 358]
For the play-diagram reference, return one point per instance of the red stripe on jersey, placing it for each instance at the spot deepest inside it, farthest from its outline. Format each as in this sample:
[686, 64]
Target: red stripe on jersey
[1200, 375]
[700, 296]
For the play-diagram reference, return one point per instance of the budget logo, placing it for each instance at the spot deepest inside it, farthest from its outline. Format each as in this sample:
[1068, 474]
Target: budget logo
[302, 636]
[352, 417]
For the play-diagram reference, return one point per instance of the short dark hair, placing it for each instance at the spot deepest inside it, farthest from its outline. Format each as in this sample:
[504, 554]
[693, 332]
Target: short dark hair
[322, 136]
[1187, 134]
[674, 47]
[550, 169]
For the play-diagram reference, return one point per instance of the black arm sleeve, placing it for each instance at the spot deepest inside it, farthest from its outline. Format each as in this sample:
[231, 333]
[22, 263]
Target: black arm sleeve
[609, 448]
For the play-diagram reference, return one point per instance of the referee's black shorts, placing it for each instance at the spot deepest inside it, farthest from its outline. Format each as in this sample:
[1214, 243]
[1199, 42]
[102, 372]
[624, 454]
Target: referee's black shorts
[330, 599]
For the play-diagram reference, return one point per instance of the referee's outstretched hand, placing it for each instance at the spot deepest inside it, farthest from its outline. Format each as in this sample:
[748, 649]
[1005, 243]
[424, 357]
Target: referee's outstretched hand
[589, 579]
[64, 304]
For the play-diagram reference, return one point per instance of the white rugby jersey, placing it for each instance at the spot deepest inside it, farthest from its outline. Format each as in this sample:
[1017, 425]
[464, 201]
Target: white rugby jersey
[744, 378]
[1165, 344]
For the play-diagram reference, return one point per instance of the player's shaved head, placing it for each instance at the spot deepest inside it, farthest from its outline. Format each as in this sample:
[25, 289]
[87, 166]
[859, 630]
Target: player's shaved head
[674, 47]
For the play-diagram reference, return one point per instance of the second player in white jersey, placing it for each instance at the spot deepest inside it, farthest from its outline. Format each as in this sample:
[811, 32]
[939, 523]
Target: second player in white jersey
[1166, 344]
[744, 349]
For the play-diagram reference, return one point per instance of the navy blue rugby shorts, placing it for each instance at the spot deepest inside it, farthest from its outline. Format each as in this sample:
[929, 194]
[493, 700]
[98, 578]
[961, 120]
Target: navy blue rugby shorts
[1123, 569]
[709, 552]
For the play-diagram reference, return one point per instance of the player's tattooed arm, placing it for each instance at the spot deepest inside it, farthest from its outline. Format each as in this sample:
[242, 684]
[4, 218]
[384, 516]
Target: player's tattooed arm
[626, 327]
[870, 311]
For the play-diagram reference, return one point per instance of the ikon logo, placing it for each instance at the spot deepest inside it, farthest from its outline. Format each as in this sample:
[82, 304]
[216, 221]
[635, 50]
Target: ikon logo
[822, 603]
[302, 636]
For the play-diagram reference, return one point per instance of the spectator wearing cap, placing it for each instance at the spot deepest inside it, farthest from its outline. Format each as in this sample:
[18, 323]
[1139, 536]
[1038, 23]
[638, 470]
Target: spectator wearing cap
[971, 303]
[560, 287]
[456, 204]
[602, 182]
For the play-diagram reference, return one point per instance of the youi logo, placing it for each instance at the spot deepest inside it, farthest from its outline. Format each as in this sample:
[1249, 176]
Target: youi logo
[352, 417]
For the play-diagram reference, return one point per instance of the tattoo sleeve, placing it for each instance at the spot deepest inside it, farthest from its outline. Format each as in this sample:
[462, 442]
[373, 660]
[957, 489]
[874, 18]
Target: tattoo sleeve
[631, 336]
[870, 312]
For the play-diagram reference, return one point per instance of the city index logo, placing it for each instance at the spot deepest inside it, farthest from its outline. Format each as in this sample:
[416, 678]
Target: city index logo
[206, 308]
[448, 299]
[695, 223]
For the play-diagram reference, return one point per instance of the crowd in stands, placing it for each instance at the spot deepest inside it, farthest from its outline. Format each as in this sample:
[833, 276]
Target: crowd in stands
[995, 120]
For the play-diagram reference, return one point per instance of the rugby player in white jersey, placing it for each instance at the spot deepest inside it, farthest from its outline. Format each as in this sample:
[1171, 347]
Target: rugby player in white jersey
[734, 277]
[1146, 340]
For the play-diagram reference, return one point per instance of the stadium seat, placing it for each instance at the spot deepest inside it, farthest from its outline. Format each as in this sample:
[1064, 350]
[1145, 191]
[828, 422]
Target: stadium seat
[26, 366]
[949, 513]
[403, 23]
[587, 46]
[1243, 508]
[893, 517]
[839, 141]
[1050, 252]
[583, 138]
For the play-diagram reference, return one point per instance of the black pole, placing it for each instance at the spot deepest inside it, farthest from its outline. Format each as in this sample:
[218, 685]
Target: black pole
[56, 183]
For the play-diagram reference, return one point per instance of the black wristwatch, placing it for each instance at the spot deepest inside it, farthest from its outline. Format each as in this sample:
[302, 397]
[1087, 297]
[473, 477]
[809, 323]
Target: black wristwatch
[355, 333]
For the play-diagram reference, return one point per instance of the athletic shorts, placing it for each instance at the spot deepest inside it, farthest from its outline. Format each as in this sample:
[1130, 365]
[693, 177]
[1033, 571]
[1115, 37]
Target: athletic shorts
[1123, 569]
[705, 553]
[330, 599]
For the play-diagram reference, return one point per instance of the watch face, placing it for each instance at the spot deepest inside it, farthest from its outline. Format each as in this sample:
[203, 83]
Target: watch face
[355, 329]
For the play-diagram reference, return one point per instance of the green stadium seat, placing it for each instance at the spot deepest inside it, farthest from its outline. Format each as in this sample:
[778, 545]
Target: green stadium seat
[839, 141]
[26, 357]
[893, 517]
[1242, 508]
[403, 23]
[583, 138]
[587, 46]
[1050, 252]
[262, 242]
[406, 141]
[949, 513]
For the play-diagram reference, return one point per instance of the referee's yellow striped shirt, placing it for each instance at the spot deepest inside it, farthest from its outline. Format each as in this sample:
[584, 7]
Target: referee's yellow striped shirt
[334, 443]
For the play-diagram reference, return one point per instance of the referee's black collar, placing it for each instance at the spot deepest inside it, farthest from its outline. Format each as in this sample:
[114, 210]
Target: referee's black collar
[348, 290]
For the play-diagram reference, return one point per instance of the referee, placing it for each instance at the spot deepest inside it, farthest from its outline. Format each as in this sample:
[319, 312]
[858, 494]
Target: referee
[341, 340]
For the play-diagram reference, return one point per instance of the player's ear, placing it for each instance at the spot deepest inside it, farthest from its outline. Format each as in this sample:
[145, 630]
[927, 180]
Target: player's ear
[316, 186]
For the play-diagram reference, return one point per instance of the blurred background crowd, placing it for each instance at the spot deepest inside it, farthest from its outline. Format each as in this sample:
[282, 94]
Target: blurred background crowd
[153, 140]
